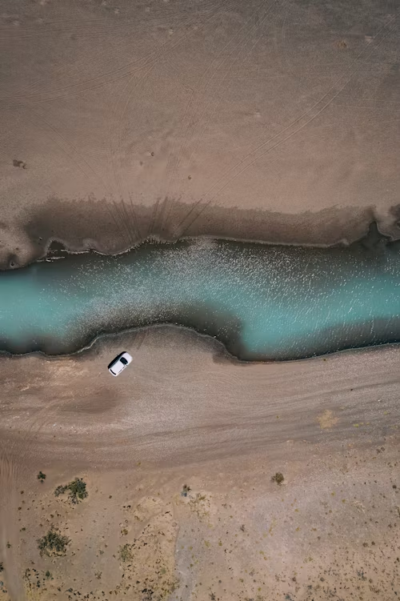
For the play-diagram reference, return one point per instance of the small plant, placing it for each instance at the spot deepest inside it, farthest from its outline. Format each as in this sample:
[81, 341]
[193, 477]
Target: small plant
[8, 545]
[17, 163]
[41, 476]
[48, 575]
[185, 490]
[76, 489]
[1, 567]
[125, 553]
[53, 543]
[278, 478]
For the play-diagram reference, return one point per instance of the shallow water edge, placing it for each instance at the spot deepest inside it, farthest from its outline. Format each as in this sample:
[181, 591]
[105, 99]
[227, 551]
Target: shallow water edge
[112, 226]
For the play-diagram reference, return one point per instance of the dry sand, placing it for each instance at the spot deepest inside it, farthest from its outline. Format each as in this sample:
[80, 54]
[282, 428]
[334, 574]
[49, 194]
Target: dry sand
[266, 120]
[185, 414]
[276, 121]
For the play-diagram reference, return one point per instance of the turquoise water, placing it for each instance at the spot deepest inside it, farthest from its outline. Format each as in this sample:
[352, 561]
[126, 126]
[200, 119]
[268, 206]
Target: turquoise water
[263, 302]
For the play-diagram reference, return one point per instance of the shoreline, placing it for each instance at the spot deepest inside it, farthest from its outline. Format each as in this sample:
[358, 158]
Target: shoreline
[58, 248]
[115, 228]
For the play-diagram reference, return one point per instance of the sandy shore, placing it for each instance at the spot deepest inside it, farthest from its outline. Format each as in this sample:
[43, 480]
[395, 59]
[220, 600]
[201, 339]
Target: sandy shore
[183, 402]
[184, 414]
[272, 121]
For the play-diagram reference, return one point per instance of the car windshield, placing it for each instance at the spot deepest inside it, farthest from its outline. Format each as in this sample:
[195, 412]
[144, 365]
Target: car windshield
[124, 361]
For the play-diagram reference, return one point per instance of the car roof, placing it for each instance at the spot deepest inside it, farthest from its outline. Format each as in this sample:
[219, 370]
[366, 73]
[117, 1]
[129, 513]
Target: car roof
[119, 365]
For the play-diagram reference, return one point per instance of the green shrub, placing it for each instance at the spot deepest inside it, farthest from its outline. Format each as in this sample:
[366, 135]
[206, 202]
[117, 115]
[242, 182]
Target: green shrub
[125, 553]
[41, 476]
[76, 490]
[278, 478]
[185, 490]
[53, 543]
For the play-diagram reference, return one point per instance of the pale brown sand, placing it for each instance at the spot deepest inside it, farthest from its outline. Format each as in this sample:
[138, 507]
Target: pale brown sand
[184, 414]
[271, 121]
[285, 107]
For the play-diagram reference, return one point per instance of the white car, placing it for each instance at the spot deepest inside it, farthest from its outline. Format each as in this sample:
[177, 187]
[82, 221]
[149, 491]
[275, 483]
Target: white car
[119, 363]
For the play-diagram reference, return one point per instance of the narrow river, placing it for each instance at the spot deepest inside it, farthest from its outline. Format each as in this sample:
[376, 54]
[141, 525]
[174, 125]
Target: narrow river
[263, 302]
